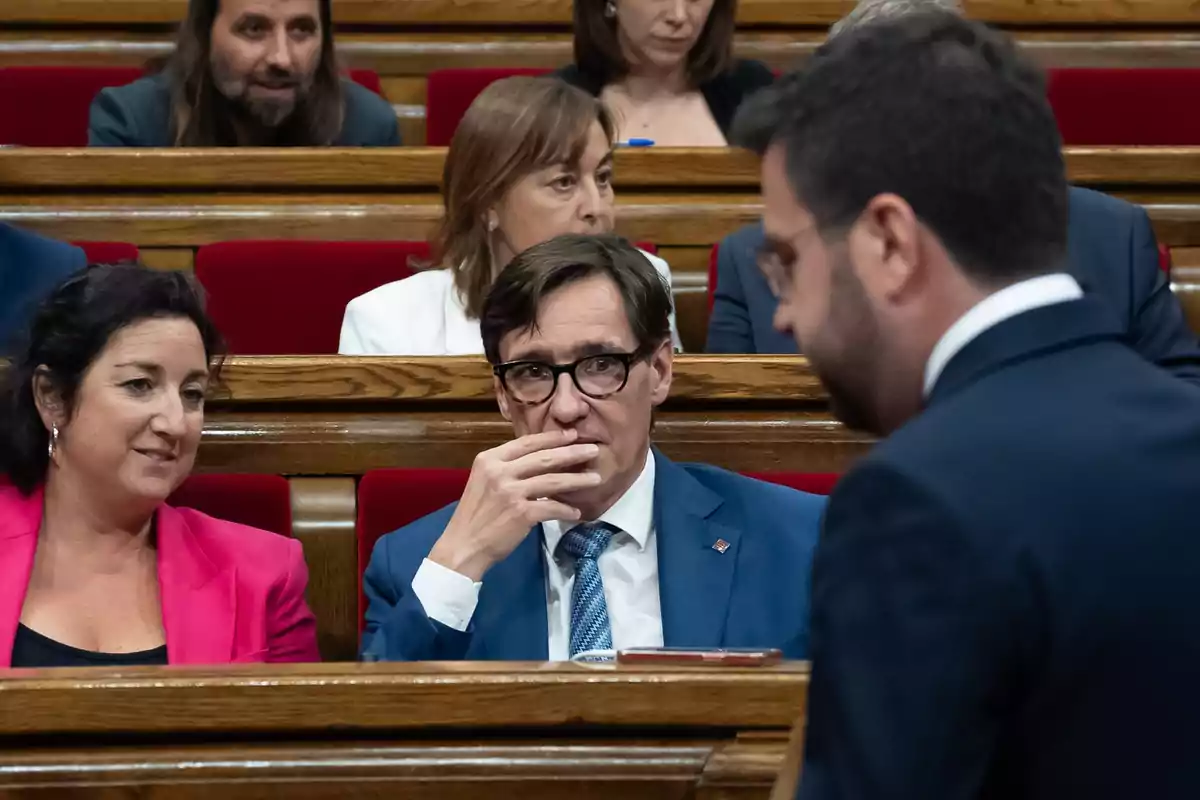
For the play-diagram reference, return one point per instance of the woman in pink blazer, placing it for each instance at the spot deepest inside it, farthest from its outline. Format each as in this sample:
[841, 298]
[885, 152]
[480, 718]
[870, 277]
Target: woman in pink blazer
[100, 418]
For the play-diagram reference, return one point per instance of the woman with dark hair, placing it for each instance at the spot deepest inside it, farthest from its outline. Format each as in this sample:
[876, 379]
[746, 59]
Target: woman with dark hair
[531, 160]
[100, 418]
[246, 73]
[665, 67]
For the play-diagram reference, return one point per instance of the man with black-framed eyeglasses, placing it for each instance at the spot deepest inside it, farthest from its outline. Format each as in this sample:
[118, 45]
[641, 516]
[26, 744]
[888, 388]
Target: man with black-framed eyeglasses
[578, 538]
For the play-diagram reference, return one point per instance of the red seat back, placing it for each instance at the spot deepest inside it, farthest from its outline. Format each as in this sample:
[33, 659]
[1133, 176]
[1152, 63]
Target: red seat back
[450, 93]
[1126, 107]
[108, 252]
[48, 106]
[392, 498]
[289, 297]
[811, 482]
[261, 501]
[367, 78]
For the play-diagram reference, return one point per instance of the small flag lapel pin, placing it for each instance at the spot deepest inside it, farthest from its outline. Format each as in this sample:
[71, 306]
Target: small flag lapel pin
[720, 545]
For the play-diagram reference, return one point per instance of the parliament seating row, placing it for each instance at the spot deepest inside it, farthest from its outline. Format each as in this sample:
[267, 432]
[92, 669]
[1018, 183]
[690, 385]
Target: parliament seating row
[1117, 107]
[63, 95]
[386, 500]
[168, 203]
[313, 281]
[325, 422]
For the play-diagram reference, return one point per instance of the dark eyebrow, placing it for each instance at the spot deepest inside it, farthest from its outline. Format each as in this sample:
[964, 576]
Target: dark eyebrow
[606, 161]
[252, 16]
[155, 369]
[144, 366]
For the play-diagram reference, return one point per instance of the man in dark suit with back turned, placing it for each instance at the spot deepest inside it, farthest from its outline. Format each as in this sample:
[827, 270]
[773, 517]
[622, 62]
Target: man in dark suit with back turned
[1005, 593]
[1111, 251]
[30, 266]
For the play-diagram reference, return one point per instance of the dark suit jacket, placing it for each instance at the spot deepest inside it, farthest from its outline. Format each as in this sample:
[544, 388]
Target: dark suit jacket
[139, 115]
[1005, 596]
[1112, 252]
[724, 93]
[30, 267]
[752, 595]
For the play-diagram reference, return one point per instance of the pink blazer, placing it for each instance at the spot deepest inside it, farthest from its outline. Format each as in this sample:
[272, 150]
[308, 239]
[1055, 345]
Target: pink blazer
[230, 593]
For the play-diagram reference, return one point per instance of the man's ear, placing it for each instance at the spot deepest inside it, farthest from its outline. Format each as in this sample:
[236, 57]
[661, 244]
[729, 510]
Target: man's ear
[662, 364]
[885, 247]
[501, 398]
[48, 399]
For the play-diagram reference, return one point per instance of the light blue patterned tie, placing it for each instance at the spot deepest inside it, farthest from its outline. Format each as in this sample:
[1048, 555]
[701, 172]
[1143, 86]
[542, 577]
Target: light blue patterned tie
[590, 629]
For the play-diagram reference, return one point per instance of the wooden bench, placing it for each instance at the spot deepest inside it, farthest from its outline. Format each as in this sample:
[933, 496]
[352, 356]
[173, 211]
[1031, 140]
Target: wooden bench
[168, 202]
[403, 40]
[528, 731]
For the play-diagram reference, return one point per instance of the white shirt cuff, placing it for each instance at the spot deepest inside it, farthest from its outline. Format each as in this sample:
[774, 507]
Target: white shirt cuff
[446, 596]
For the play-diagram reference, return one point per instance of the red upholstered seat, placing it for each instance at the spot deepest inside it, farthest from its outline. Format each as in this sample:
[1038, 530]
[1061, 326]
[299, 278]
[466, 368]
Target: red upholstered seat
[288, 297]
[48, 106]
[1127, 107]
[392, 498]
[811, 482]
[108, 252]
[367, 78]
[1164, 259]
[449, 94]
[261, 501]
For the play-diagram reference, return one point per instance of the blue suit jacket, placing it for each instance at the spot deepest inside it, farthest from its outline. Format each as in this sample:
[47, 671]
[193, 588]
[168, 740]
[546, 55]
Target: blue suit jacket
[1005, 597]
[1111, 250]
[30, 267]
[755, 594]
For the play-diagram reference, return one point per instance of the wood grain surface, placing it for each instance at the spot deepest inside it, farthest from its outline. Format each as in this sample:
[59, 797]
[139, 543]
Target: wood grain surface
[416, 53]
[417, 170]
[558, 12]
[697, 379]
[674, 198]
[417, 697]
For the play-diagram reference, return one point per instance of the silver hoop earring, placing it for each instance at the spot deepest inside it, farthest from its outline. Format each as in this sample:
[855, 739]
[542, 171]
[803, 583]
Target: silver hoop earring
[53, 441]
[610, 9]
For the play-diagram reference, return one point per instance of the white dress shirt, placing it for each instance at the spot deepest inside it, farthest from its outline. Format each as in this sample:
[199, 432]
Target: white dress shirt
[629, 568]
[1044, 290]
[422, 315]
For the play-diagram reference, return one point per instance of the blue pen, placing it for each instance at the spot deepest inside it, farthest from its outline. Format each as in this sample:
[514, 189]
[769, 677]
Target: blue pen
[639, 143]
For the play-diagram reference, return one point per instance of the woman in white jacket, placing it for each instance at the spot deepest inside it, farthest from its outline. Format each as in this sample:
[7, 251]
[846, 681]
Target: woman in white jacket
[531, 160]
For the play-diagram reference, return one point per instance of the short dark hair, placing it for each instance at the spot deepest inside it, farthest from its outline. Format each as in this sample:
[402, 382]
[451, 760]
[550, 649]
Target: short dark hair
[200, 114]
[598, 53]
[513, 302]
[69, 330]
[939, 110]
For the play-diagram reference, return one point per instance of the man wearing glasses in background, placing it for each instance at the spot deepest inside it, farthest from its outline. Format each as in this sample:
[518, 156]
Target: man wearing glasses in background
[578, 538]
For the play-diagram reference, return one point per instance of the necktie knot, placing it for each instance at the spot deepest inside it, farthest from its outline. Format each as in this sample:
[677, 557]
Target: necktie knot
[586, 541]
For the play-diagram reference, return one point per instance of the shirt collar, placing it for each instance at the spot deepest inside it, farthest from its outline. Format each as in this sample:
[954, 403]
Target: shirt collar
[1044, 290]
[633, 512]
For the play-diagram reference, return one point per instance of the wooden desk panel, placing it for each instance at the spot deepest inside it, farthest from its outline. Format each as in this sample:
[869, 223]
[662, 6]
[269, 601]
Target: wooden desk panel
[767, 13]
[414, 54]
[414, 730]
[673, 197]
[343, 416]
